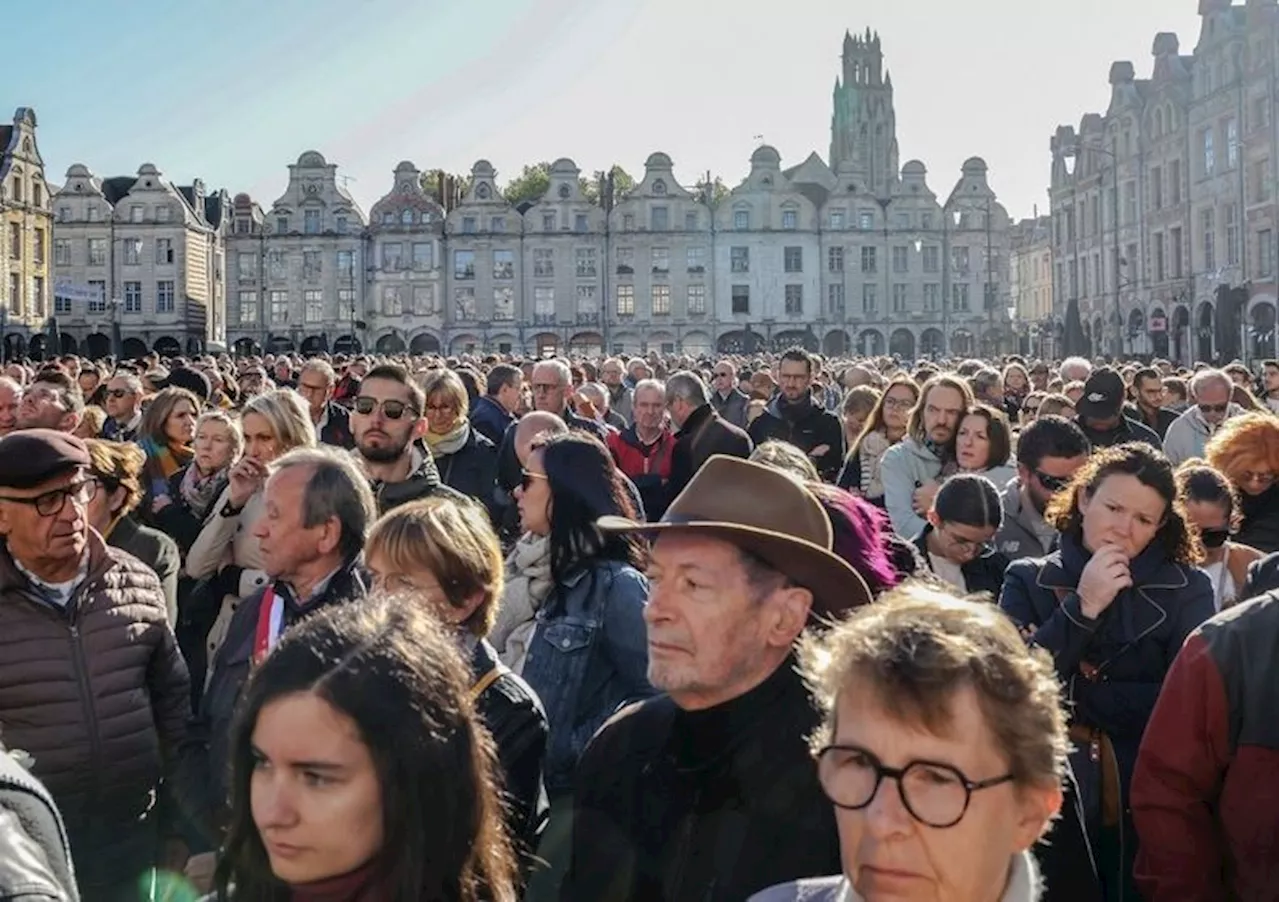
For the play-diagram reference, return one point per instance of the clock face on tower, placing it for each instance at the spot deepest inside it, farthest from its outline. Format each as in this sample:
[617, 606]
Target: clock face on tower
[482, 191]
[564, 192]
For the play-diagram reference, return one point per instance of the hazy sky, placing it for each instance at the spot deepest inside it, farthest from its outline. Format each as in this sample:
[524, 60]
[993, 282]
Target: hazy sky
[233, 91]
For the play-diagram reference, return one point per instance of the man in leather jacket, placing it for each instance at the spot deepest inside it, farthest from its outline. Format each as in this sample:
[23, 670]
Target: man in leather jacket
[35, 856]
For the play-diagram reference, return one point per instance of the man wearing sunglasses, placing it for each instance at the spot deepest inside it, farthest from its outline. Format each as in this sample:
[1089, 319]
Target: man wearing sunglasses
[96, 692]
[1050, 450]
[1210, 407]
[124, 408]
[388, 425]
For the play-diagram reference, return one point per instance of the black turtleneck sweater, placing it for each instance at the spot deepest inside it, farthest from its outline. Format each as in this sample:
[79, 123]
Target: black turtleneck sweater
[702, 806]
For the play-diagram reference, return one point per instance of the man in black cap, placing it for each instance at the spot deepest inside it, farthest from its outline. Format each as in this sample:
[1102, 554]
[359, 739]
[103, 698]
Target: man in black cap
[709, 791]
[94, 688]
[1101, 413]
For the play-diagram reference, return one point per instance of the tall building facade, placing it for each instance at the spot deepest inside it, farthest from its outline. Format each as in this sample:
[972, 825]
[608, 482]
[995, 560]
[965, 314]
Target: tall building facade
[26, 229]
[1164, 208]
[138, 261]
[1031, 285]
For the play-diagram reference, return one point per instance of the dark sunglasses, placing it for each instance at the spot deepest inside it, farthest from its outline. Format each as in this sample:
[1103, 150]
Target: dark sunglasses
[1214, 538]
[1052, 483]
[1212, 408]
[118, 392]
[391, 408]
[527, 478]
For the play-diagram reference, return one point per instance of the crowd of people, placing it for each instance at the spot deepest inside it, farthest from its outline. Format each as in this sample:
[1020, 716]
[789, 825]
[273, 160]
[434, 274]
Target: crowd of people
[647, 629]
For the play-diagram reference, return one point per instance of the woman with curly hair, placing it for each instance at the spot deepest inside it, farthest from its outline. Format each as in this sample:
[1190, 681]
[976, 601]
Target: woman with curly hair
[1246, 450]
[1113, 605]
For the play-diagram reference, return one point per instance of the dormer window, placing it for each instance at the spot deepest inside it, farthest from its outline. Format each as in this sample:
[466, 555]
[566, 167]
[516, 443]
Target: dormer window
[282, 225]
[741, 220]
[406, 217]
[564, 192]
[388, 218]
[789, 219]
[549, 222]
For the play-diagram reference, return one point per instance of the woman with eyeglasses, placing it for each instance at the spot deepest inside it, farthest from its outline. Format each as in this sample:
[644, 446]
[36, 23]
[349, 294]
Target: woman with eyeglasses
[1246, 450]
[1213, 506]
[226, 550]
[983, 445]
[467, 461]
[1113, 605]
[943, 753]
[957, 542]
[1030, 407]
[886, 425]
[588, 653]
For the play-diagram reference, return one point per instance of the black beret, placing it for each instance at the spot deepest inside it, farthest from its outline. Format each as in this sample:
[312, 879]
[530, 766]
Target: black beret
[29, 457]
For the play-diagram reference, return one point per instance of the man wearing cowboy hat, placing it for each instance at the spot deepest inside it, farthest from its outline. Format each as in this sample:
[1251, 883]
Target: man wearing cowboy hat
[709, 792]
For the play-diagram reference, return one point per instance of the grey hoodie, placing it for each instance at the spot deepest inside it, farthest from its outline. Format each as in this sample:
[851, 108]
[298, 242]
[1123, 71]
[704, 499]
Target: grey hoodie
[904, 468]
[1023, 532]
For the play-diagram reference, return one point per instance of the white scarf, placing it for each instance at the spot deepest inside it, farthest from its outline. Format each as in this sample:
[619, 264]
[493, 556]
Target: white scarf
[528, 585]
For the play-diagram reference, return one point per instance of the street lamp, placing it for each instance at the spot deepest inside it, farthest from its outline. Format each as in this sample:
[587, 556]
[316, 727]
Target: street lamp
[1070, 157]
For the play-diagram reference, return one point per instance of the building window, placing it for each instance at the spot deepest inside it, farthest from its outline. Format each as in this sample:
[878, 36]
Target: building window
[135, 213]
[792, 259]
[929, 258]
[1232, 143]
[628, 222]
[899, 298]
[64, 214]
[587, 305]
[469, 228]
[900, 259]
[660, 300]
[696, 300]
[98, 300]
[248, 307]
[39, 246]
[1206, 234]
[61, 252]
[658, 219]
[504, 264]
[868, 259]
[311, 223]
[1175, 252]
[132, 297]
[691, 221]
[310, 265]
[866, 220]
[1157, 188]
[793, 299]
[464, 304]
[424, 300]
[869, 299]
[930, 293]
[960, 297]
[61, 305]
[835, 259]
[282, 225]
[580, 222]
[544, 266]
[1233, 235]
[279, 306]
[132, 251]
[836, 220]
[548, 222]
[1261, 181]
[626, 261]
[392, 302]
[391, 256]
[407, 217]
[95, 213]
[340, 225]
[740, 299]
[346, 265]
[960, 261]
[1206, 140]
[164, 296]
[313, 305]
[1175, 182]
[504, 303]
[1130, 202]
[497, 224]
[277, 265]
[739, 259]
[1266, 254]
[347, 302]
[789, 220]
[835, 300]
[423, 256]
[584, 259]
[544, 304]
[1157, 244]
[741, 220]
[464, 264]
[626, 300]
[695, 258]
[661, 259]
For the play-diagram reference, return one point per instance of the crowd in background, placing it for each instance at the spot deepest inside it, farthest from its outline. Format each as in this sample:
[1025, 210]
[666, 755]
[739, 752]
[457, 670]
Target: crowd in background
[652, 628]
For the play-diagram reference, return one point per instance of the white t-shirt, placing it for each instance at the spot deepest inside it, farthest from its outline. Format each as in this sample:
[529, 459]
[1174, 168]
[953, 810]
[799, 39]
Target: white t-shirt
[947, 570]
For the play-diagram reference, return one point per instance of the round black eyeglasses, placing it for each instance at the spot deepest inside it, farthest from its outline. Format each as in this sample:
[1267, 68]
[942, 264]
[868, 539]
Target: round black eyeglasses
[934, 793]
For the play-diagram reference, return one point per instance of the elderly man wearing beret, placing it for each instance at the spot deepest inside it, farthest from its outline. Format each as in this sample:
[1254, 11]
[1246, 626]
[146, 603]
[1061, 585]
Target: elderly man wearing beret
[92, 686]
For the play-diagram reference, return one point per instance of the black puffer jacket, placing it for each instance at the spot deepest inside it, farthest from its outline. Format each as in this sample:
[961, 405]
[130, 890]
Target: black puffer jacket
[97, 694]
[472, 470]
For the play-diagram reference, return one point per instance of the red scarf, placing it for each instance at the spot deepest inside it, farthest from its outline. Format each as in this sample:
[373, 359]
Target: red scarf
[354, 886]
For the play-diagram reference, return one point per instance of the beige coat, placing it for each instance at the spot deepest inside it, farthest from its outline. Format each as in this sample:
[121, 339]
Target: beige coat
[224, 541]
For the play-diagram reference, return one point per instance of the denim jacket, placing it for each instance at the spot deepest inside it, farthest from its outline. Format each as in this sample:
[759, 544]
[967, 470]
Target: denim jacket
[588, 656]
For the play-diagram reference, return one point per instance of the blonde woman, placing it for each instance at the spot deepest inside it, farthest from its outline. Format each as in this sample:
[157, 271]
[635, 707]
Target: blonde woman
[467, 461]
[273, 423]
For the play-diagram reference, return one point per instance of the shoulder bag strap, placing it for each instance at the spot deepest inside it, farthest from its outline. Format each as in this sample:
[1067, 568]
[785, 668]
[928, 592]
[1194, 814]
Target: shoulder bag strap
[480, 685]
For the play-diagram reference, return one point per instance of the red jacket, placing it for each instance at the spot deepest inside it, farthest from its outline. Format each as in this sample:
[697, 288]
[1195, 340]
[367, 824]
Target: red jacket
[1204, 791]
[637, 459]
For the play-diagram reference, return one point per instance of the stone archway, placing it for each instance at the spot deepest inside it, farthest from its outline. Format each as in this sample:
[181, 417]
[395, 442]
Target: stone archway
[1181, 333]
[696, 343]
[836, 343]
[133, 349]
[931, 343]
[870, 343]
[545, 344]
[992, 342]
[313, 344]
[465, 343]
[167, 346]
[97, 345]
[245, 347]
[1262, 331]
[795, 338]
[902, 344]
[742, 341]
[69, 343]
[347, 344]
[1135, 331]
[588, 344]
[1158, 332]
[424, 343]
[962, 343]
[1204, 333]
[14, 346]
[391, 343]
[1099, 338]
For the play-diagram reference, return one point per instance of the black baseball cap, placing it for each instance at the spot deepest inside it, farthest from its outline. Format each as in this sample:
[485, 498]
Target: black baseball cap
[1103, 395]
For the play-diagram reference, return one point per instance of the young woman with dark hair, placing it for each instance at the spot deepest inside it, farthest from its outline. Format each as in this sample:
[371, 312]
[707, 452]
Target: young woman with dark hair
[588, 654]
[1213, 506]
[361, 771]
[1113, 605]
[957, 542]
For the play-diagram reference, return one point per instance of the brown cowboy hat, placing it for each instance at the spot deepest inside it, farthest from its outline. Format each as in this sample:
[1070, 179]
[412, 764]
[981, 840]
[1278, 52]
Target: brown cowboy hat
[769, 514]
